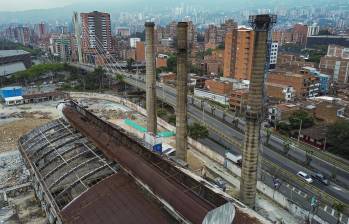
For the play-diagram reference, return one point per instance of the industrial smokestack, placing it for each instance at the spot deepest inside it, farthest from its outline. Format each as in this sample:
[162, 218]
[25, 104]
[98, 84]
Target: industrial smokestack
[150, 78]
[261, 24]
[182, 90]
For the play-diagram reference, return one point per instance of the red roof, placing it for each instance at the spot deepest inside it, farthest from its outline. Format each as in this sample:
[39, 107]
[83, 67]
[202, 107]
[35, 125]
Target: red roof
[116, 199]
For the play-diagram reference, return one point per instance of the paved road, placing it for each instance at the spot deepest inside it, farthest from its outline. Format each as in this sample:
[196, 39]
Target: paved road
[277, 158]
[216, 122]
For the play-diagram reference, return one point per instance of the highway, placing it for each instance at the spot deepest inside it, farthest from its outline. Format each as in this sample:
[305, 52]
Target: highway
[227, 135]
[195, 112]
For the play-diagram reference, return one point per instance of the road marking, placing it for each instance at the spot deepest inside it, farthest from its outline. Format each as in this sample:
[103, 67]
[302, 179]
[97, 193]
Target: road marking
[325, 208]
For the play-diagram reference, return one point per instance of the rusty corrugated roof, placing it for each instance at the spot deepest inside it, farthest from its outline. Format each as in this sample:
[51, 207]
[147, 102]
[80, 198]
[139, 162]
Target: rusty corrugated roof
[116, 199]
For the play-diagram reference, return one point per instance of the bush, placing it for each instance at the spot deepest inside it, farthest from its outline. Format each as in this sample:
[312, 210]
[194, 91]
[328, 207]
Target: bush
[197, 131]
[338, 138]
[161, 113]
[298, 116]
[172, 119]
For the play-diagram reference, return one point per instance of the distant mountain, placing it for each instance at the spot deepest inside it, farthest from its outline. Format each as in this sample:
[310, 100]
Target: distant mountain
[115, 6]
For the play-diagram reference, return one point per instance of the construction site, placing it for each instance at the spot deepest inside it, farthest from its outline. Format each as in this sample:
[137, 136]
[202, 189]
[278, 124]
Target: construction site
[88, 159]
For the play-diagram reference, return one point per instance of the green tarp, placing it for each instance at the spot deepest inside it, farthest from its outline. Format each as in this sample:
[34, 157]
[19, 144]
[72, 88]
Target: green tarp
[143, 129]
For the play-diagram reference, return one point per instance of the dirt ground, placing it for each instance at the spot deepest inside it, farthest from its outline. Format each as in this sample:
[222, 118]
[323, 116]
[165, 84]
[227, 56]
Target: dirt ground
[12, 131]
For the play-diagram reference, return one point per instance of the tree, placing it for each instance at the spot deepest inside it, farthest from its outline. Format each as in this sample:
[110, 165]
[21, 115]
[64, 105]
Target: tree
[298, 116]
[100, 74]
[161, 113]
[283, 127]
[129, 63]
[287, 146]
[172, 63]
[119, 78]
[221, 46]
[268, 131]
[172, 119]
[208, 52]
[338, 138]
[197, 131]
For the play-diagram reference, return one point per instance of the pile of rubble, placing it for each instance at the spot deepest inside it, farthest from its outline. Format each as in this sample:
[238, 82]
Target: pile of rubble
[12, 169]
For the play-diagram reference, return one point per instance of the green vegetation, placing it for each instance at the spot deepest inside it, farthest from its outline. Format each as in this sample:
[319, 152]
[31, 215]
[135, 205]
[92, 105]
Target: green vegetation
[161, 113]
[208, 52]
[221, 46]
[287, 146]
[74, 78]
[316, 53]
[172, 119]
[8, 45]
[172, 63]
[37, 71]
[129, 63]
[338, 139]
[294, 122]
[283, 128]
[197, 131]
[301, 116]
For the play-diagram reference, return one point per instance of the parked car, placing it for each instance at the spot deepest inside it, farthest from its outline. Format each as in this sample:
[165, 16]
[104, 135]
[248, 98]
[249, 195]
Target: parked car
[321, 178]
[305, 176]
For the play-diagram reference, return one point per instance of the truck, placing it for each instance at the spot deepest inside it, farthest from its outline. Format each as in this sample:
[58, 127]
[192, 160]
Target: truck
[237, 159]
[168, 150]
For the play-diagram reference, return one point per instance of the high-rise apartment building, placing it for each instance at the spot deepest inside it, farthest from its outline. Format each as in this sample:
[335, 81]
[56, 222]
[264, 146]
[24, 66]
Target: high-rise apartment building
[313, 30]
[96, 34]
[273, 56]
[336, 67]
[140, 51]
[338, 51]
[40, 30]
[238, 53]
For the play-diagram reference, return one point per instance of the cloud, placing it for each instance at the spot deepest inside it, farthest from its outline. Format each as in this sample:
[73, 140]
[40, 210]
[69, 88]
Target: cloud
[20, 5]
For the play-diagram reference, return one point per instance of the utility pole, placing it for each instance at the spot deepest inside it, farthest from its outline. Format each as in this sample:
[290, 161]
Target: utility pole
[182, 91]
[150, 81]
[261, 24]
[300, 128]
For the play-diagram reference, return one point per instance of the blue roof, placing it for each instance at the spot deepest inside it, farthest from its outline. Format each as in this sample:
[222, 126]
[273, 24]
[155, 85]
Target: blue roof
[11, 87]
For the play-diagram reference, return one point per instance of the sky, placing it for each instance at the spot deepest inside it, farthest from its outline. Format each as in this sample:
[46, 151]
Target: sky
[21, 5]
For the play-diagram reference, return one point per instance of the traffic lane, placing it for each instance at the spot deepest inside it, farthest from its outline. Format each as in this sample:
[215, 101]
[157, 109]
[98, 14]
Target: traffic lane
[230, 132]
[299, 155]
[332, 189]
[291, 193]
[318, 164]
[288, 165]
[330, 170]
[211, 121]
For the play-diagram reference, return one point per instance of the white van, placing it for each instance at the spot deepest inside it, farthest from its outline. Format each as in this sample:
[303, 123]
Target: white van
[305, 177]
